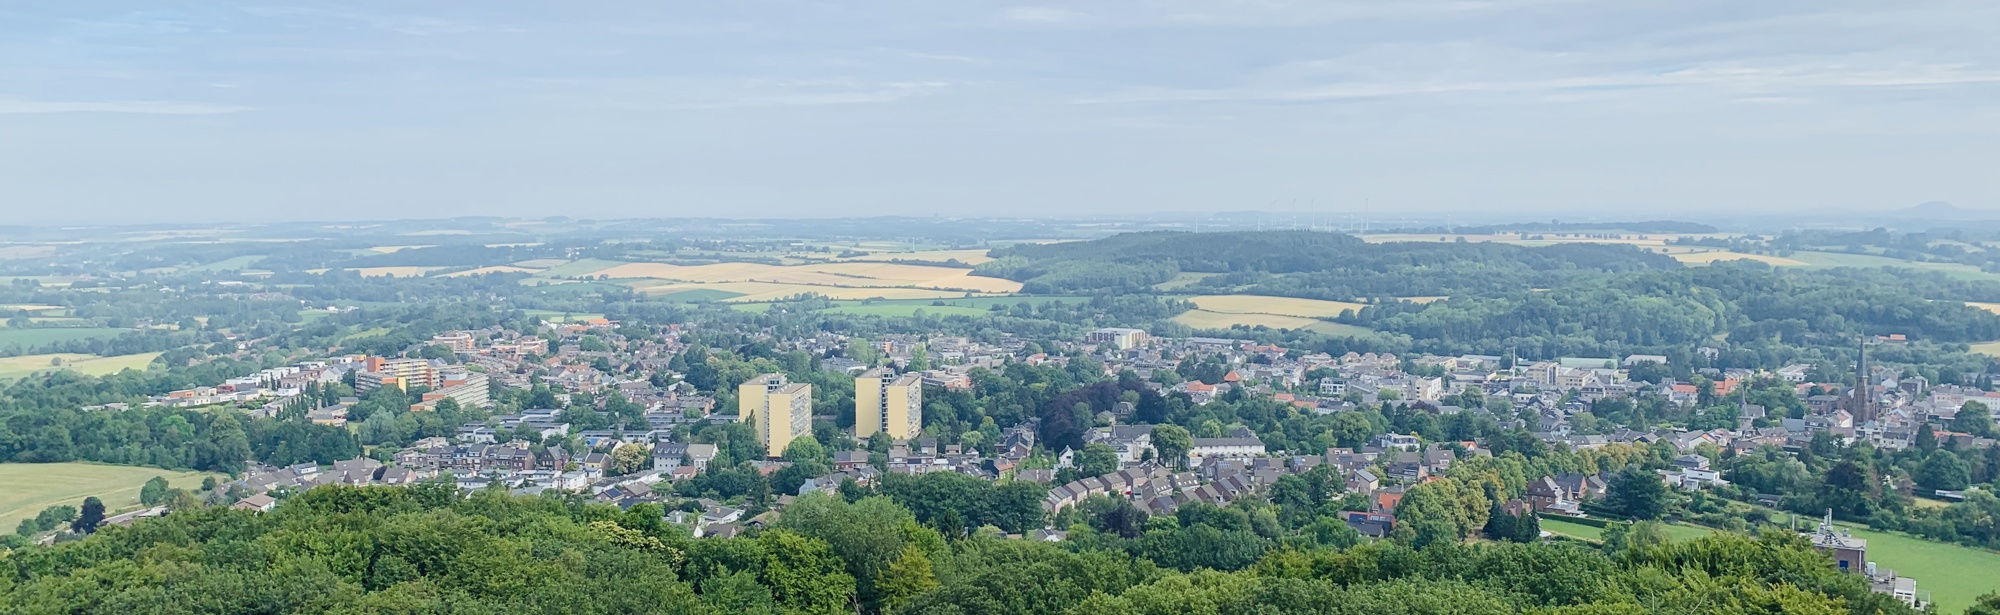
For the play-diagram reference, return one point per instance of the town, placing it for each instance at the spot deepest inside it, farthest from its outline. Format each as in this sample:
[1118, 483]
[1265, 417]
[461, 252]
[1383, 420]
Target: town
[590, 373]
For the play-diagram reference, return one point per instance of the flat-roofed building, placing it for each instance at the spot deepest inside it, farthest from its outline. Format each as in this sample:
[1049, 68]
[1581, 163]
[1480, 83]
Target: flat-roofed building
[378, 372]
[780, 410]
[1118, 337]
[887, 403]
[468, 389]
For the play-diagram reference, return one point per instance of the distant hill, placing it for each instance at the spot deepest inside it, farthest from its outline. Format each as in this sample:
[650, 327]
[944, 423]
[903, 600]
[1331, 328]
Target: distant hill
[1941, 210]
[1649, 226]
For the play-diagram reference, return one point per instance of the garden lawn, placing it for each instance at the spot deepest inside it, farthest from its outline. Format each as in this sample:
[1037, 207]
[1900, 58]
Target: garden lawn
[1955, 575]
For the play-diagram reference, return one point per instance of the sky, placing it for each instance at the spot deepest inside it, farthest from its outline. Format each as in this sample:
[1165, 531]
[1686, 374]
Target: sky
[167, 110]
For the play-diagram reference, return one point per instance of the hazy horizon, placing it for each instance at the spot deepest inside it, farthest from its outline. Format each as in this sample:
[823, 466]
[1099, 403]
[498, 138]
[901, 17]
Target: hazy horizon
[130, 112]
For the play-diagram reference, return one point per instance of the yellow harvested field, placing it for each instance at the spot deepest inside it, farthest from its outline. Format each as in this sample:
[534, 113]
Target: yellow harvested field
[1279, 306]
[969, 257]
[769, 291]
[1422, 300]
[849, 274]
[1991, 349]
[1706, 258]
[25, 251]
[30, 308]
[1990, 307]
[1204, 319]
[99, 366]
[493, 269]
[394, 249]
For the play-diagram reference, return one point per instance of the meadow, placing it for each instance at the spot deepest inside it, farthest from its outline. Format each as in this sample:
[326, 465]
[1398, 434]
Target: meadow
[969, 257]
[1709, 258]
[36, 337]
[749, 292]
[1955, 575]
[27, 488]
[232, 264]
[92, 365]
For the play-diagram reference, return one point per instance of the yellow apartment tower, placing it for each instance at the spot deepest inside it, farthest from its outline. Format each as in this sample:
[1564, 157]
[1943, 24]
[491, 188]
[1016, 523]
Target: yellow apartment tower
[781, 409]
[886, 402]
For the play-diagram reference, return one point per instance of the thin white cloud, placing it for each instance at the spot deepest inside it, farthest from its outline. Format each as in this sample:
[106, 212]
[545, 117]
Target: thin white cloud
[143, 107]
[1043, 14]
[1729, 78]
[675, 93]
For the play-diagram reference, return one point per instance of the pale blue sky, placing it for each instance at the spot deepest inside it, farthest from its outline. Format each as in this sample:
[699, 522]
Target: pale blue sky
[169, 109]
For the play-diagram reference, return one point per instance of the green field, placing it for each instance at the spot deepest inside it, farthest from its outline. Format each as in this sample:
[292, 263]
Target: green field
[24, 365]
[1954, 575]
[37, 337]
[27, 488]
[698, 295]
[233, 264]
[578, 268]
[1183, 280]
[1837, 259]
[880, 309]
[977, 302]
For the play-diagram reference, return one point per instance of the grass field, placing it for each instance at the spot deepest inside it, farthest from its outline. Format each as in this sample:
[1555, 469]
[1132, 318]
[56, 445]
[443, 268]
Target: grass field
[699, 295]
[880, 309]
[1836, 259]
[1954, 575]
[542, 263]
[1709, 258]
[1281, 306]
[1183, 280]
[34, 337]
[748, 292]
[27, 488]
[16, 367]
[233, 264]
[29, 307]
[571, 269]
[93, 365]
[969, 257]
[1204, 319]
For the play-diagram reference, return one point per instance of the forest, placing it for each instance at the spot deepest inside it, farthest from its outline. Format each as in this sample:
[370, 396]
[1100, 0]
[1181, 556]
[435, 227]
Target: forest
[1305, 264]
[427, 550]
